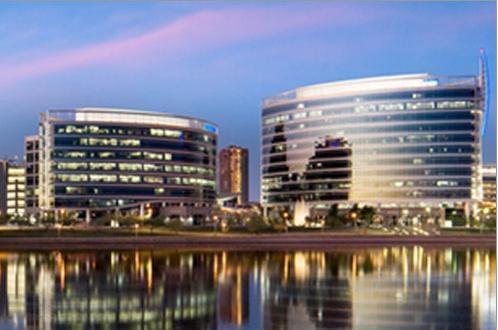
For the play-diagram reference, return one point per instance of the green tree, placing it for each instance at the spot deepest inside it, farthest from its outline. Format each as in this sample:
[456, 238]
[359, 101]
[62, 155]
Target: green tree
[278, 224]
[367, 213]
[333, 220]
[353, 214]
[174, 224]
[104, 220]
[256, 224]
[490, 222]
[4, 218]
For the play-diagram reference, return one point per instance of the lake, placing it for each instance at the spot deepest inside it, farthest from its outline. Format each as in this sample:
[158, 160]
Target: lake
[368, 288]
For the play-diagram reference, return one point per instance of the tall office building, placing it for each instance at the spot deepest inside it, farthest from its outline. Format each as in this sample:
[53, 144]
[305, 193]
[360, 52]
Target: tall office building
[399, 143]
[94, 160]
[32, 159]
[12, 188]
[489, 185]
[234, 173]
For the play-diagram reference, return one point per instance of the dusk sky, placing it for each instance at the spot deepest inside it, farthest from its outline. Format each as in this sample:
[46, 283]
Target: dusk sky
[217, 61]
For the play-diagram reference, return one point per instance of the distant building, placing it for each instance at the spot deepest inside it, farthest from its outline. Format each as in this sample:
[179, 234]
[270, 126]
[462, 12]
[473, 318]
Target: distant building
[489, 184]
[92, 160]
[399, 143]
[12, 188]
[4, 164]
[32, 158]
[234, 173]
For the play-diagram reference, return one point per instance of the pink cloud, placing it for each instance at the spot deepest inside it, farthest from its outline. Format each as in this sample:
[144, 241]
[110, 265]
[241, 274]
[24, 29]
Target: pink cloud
[191, 34]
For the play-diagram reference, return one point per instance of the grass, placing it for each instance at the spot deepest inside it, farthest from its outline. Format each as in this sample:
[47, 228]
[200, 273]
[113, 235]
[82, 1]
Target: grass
[465, 231]
[197, 231]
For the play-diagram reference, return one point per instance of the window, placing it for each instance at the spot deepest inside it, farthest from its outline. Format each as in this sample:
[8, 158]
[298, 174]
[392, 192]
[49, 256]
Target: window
[129, 143]
[153, 155]
[102, 142]
[129, 178]
[153, 179]
[71, 166]
[72, 177]
[103, 166]
[152, 168]
[130, 167]
[103, 178]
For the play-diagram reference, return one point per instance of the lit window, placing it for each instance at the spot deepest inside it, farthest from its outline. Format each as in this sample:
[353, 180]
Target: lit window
[129, 142]
[129, 178]
[153, 155]
[153, 179]
[130, 167]
[103, 178]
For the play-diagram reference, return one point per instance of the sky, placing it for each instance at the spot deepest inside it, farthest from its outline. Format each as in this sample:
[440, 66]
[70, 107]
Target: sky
[217, 60]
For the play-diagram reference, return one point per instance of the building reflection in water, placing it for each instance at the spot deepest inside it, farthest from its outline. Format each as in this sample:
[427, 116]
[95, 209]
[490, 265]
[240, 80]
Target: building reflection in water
[395, 287]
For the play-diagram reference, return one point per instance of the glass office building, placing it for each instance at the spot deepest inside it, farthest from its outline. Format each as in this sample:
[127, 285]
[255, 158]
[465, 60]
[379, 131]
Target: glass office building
[95, 159]
[394, 142]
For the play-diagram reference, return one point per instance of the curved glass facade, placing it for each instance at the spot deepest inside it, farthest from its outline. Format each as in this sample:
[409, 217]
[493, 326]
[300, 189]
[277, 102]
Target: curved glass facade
[110, 158]
[407, 140]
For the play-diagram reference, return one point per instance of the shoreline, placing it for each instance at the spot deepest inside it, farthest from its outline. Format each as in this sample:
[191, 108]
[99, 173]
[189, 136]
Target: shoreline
[289, 241]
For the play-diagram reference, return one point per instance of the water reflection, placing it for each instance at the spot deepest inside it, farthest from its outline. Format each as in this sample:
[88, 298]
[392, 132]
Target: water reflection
[396, 287]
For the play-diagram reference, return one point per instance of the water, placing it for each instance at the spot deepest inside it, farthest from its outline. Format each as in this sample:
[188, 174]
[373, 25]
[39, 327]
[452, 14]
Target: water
[374, 288]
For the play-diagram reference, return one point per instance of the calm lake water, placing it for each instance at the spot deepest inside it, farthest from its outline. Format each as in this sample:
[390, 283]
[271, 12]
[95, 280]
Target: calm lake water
[374, 288]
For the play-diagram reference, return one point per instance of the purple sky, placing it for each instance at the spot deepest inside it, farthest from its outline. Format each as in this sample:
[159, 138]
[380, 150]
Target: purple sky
[217, 60]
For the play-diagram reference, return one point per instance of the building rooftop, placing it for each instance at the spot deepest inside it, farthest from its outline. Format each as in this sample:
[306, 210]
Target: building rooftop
[369, 86]
[130, 116]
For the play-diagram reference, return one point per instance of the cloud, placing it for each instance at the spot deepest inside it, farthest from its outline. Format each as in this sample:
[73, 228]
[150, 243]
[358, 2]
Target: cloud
[191, 34]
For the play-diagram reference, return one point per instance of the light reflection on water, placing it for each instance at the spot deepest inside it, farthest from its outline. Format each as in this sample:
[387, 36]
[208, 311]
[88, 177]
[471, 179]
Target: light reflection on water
[394, 287]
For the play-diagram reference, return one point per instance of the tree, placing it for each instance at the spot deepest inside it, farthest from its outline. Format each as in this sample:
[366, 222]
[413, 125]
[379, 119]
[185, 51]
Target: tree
[490, 222]
[333, 220]
[156, 221]
[256, 224]
[4, 218]
[367, 213]
[104, 220]
[278, 224]
[353, 214]
[174, 224]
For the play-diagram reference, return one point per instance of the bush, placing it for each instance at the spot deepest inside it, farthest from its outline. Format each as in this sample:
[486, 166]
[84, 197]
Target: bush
[256, 224]
[156, 221]
[174, 224]
[367, 213]
[128, 221]
[457, 221]
[4, 218]
[490, 222]
[104, 220]
[333, 219]
[335, 223]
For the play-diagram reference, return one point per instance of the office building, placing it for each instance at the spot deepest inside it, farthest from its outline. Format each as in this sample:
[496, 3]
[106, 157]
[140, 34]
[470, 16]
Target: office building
[398, 143]
[32, 159]
[95, 160]
[488, 203]
[12, 188]
[234, 173]
[489, 183]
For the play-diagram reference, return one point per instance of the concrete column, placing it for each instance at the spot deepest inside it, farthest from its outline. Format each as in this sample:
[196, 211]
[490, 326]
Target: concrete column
[87, 216]
[141, 210]
[467, 208]
[442, 216]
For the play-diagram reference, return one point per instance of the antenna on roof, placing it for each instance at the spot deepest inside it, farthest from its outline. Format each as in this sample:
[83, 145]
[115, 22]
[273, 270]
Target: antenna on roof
[484, 84]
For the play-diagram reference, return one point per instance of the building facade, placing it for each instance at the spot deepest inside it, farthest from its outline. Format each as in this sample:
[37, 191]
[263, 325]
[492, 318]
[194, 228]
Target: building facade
[94, 160]
[12, 188]
[234, 173]
[488, 204]
[32, 159]
[398, 143]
